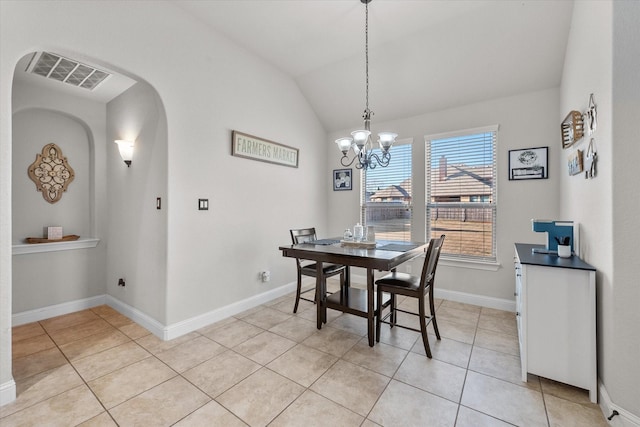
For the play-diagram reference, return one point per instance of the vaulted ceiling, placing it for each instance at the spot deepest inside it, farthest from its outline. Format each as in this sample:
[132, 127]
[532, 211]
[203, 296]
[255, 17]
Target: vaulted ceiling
[424, 55]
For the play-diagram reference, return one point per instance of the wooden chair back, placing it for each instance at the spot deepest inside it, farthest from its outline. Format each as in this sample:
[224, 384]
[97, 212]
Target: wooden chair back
[431, 263]
[302, 235]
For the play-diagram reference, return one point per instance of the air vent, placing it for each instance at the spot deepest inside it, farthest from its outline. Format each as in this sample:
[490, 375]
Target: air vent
[66, 70]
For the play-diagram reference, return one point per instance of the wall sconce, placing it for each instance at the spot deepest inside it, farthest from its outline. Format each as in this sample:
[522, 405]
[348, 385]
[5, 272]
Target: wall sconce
[126, 150]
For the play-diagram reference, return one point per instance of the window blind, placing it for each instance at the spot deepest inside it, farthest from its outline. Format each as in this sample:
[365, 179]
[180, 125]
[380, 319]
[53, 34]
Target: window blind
[461, 193]
[386, 195]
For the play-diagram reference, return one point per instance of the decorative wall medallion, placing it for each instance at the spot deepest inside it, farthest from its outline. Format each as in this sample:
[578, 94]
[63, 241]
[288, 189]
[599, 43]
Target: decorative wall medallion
[51, 173]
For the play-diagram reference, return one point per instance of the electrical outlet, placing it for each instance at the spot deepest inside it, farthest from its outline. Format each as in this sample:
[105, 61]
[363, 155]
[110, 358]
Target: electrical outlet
[203, 204]
[158, 203]
[121, 282]
[265, 276]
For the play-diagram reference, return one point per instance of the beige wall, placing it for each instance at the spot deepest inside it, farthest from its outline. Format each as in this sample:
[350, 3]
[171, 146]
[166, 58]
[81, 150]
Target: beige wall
[207, 89]
[602, 58]
[136, 230]
[518, 201]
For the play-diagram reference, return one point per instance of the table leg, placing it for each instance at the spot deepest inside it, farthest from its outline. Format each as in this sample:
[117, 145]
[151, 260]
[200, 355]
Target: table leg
[321, 295]
[370, 309]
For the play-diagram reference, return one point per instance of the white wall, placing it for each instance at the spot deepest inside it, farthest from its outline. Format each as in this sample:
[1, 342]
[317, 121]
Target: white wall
[603, 58]
[625, 369]
[31, 212]
[527, 120]
[137, 231]
[208, 87]
[76, 125]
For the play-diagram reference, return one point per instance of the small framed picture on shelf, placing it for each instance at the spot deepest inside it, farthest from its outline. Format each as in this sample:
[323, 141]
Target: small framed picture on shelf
[342, 179]
[529, 163]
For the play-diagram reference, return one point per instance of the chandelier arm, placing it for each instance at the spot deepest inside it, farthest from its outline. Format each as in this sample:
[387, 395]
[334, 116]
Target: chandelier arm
[384, 161]
[342, 161]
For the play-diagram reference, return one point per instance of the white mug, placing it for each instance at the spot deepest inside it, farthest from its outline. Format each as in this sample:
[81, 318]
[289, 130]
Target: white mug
[564, 251]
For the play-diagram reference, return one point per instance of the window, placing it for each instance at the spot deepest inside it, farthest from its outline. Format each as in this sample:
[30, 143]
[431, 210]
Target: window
[386, 195]
[461, 192]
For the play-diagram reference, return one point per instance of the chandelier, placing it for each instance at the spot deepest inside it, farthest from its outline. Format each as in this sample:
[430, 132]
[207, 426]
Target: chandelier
[360, 140]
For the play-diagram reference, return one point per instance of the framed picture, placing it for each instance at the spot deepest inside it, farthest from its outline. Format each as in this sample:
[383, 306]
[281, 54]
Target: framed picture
[341, 179]
[529, 163]
[574, 163]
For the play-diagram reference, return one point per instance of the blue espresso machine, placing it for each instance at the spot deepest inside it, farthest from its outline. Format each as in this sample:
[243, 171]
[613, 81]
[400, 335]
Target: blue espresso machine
[555, 229]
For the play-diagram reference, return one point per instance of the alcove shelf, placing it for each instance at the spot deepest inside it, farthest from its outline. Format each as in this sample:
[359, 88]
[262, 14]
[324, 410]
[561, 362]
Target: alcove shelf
[33, 248]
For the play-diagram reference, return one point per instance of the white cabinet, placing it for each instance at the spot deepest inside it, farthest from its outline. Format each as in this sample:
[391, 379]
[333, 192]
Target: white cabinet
[556, 316]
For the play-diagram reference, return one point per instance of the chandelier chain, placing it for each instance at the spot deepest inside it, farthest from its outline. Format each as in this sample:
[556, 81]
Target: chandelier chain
[366, 53]
[360, 141]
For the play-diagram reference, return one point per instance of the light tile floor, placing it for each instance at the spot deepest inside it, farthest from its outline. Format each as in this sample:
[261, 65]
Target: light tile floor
[268, 366]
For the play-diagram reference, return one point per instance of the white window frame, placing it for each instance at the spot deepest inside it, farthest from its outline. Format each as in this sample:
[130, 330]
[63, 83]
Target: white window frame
[484, 263]
[363, 183]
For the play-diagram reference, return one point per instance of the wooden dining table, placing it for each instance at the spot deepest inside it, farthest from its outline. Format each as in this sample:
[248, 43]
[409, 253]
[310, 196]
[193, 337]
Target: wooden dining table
[385, 256]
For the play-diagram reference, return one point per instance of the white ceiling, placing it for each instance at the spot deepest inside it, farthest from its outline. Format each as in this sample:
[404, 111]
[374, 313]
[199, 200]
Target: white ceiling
[111, 87]
[424, 55]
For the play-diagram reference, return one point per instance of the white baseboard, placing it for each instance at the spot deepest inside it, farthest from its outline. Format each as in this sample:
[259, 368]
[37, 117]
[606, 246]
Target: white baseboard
[7, 392]
[624, 417]
[48, 312]
[483, 301]
[142, 319]
[155, 327]
[202, 320]
[194, 323]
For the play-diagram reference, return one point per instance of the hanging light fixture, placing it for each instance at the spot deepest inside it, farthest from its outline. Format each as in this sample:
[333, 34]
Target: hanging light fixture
[360, 140]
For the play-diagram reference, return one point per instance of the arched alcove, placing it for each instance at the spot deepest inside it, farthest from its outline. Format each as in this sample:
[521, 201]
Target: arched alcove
[106, 203]
[33, 128]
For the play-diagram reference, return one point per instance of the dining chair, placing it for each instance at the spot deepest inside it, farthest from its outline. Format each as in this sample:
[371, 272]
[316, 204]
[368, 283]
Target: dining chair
[308, 268]
[396, 283]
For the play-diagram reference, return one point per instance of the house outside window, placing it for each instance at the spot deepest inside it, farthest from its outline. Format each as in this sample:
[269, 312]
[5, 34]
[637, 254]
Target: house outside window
[461, 193]
[385, 197]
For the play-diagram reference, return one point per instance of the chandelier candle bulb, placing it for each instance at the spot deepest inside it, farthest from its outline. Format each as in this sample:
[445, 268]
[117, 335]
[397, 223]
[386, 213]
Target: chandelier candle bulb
[344, 144]
[386, 139]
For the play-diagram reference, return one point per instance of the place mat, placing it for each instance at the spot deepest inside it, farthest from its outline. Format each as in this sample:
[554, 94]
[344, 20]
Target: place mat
[323, 242]
[361, 245]
[398, 247]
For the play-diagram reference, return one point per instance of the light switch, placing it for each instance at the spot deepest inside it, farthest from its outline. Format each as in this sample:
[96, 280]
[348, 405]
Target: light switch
[203, 204]
[158, 203]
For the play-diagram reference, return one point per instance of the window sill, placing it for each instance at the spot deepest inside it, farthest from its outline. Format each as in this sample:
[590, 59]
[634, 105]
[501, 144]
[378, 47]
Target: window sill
[477, 265]
[82, 243]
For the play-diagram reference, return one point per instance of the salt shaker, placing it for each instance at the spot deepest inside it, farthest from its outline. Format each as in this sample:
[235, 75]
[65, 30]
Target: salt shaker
[347, 235]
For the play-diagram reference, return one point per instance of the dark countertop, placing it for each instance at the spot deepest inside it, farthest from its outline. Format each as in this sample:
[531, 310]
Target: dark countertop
[527, 256]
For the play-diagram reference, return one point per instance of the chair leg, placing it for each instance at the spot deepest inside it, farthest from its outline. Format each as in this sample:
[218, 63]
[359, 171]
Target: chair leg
[433, 314]
[324, 294]
[298, 289]
[423, 326]
[379, 317]
[392, 318]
